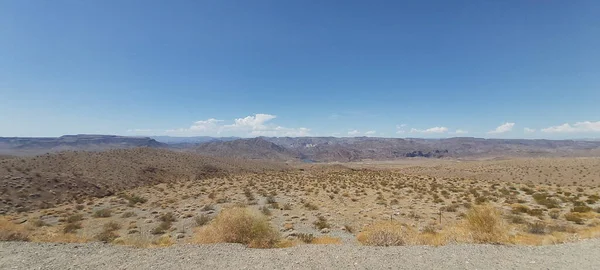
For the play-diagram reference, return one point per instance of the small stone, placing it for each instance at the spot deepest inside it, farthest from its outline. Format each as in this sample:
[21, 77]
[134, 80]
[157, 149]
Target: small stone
[325, 230]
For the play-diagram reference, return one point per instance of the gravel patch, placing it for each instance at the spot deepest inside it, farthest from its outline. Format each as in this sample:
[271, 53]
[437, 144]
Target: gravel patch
[18, 255]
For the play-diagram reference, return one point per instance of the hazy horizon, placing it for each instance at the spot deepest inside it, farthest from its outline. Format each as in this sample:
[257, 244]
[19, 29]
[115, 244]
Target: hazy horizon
[250, 137]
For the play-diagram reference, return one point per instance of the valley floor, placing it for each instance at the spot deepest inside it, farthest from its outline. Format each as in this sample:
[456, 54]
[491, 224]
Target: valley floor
[22, 255]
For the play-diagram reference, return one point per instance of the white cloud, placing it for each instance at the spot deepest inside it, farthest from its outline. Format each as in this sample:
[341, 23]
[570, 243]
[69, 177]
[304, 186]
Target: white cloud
[353, 132]
[585, 126]
[400, 129]
[370, 132]
[460, 131]
[205, 125]
[253, 125]
[506, 127]
[528, 130]
[433, 130]
[256, 122]
[139, 130]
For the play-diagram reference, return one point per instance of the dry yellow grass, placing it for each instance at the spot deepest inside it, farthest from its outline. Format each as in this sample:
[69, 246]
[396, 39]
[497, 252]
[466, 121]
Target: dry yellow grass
[486, 225]
[12, 232]
[239, 225]
[54, 236]
[386, 233]
[326, 240]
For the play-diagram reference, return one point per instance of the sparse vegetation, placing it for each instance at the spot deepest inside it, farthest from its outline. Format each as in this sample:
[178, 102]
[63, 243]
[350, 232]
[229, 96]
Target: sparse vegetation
[103, 213]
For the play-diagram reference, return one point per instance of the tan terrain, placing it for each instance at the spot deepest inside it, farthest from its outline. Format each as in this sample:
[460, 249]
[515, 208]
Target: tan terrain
[190, 199]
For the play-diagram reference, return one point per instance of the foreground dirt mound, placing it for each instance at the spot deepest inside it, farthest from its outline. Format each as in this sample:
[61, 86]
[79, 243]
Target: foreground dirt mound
[42, 181]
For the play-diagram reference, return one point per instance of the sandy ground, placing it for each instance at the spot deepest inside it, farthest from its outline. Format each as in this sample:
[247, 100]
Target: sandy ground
[581, 255]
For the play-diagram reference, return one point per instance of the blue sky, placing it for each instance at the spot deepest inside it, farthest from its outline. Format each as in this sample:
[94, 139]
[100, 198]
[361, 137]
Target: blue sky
[297, 68]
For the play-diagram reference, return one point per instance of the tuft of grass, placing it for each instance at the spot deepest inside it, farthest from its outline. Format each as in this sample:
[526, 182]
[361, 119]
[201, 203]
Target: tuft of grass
[72, 227]
[202, 220]
[321, 223]
[310, 206]
[239, 225]
[167, 217]
[265, 210]
[348, 228]
[164, 241]
[581, 209]
[575, 217]
[74, 218]
[106, 236]
[128, 214]
[386, 233]
[537, 227]
[326, 240]
[162, 228]
[486, 225]
[208, 207]
[112, 226]
[103, 213]
[306, 237]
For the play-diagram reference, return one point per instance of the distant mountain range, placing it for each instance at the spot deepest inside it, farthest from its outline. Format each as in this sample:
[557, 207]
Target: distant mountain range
[34, 146]
[191, 140]
[312, 149]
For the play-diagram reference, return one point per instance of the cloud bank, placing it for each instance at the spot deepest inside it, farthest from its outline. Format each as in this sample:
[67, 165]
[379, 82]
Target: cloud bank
[582, 127]
[254, 125]
[506, 127]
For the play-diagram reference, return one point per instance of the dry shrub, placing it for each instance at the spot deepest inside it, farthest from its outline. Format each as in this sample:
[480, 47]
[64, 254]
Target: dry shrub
[72, 227]
[578, 218]
[285, 243]
[103, 213]
[386, 233]
[326, 240]
[202, 220]
[239, 225]
[432, 239]
[12, 232]
[164, 240]
[306, 237]
[486, 225]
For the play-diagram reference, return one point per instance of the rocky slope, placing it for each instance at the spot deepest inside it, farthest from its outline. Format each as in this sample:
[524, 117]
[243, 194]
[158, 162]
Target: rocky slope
[42, 181]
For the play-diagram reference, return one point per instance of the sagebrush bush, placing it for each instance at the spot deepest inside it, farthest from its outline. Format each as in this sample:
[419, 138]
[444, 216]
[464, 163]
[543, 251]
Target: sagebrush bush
[386, 233]
[103, 213]
[239, 225]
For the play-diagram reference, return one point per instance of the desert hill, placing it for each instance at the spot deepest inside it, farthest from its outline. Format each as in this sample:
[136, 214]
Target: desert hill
[42, 181]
